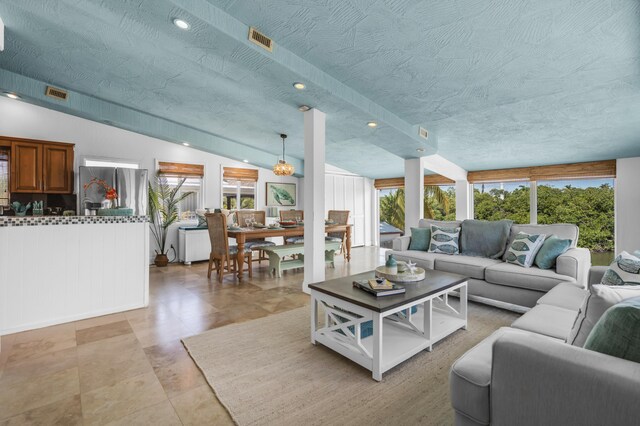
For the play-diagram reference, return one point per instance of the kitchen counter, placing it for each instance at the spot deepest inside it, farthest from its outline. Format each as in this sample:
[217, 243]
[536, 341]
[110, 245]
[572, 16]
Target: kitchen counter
[56, 269]
[6, 221]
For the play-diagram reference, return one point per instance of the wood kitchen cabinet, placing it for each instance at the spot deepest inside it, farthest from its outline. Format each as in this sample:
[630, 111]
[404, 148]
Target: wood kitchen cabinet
[40, 166]
[26, 167]
[57, 169]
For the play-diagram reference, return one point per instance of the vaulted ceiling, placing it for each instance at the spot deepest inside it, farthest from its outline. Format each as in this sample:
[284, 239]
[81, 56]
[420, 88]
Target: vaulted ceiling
[497, 83]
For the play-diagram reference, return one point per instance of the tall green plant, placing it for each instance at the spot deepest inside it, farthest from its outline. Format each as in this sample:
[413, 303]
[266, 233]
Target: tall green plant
[392, 205]
[163, 209]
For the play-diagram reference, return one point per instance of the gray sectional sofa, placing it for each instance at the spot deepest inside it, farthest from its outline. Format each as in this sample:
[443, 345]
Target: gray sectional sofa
[527, 375]
[496, 282]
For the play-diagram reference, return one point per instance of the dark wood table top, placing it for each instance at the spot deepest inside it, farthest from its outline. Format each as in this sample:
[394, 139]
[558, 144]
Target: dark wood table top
[342, 288]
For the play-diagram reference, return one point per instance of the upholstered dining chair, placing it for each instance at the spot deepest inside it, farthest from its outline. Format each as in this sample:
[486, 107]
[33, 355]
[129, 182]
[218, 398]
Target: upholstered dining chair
[222, 254]
[257, 244]
[289, 215]
[339, 217]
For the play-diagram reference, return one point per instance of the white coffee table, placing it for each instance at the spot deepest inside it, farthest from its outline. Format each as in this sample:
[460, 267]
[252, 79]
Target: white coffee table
[398, 334]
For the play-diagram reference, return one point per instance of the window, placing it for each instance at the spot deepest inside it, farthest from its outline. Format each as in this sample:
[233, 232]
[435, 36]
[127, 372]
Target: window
[439, 204]
[4, 178]
[187, 207]
[502, 200]
[237, 194]
[239, 188]
[193, 176]
[110, 163]
[589, 203]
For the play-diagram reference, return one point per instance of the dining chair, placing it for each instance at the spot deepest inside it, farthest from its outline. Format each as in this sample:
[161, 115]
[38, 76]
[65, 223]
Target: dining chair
[222, 254]
[339, 217]
[292, 215]
[258, 216]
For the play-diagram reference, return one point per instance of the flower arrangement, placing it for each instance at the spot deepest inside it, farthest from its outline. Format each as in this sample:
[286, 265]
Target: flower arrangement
[110, 193]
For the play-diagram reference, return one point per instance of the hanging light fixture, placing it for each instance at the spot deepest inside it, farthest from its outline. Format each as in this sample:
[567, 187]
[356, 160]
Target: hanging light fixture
[283, 168]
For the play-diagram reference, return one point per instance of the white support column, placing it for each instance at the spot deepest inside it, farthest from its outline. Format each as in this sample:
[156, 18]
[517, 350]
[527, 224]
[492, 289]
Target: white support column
[413, 193]
[314, 154]
[464, 200]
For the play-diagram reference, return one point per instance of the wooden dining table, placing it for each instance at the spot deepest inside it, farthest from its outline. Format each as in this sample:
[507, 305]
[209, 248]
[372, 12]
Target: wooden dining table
[247, 234]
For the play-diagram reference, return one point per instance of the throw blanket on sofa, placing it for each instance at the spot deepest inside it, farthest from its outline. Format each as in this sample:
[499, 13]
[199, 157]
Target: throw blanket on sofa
[484, 238]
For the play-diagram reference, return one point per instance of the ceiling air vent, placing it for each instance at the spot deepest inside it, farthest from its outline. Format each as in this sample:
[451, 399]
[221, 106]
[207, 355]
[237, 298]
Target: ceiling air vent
[260, 39]
[59, 94]
[424, 134]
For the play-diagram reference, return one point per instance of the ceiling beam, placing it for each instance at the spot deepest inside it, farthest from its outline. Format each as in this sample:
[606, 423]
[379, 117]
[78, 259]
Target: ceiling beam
[91, 108]
[230, 26]
[440, 165]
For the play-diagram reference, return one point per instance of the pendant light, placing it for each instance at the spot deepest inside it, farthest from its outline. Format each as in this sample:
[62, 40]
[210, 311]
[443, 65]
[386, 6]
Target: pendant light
[283, 168]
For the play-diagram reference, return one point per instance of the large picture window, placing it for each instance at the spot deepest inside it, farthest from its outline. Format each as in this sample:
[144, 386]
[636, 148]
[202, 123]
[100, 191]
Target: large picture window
[589, 203]
[193, 176]
[502, 200]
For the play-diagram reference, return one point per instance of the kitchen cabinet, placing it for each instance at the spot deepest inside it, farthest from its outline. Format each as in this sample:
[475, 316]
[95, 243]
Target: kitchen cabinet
[41, 166]
[57, 169]
[26, 167]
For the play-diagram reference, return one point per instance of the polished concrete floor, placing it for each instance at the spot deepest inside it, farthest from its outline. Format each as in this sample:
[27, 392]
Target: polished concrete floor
[131, 368]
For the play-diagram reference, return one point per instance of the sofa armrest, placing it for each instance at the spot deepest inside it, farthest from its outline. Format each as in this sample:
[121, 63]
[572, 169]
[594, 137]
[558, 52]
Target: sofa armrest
[539, 381]
[575, 263]
[401, 243]
[596, 273]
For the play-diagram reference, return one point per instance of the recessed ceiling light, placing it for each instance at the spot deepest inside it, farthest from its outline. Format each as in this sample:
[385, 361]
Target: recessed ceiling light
[245, 161]
[299, 86]
[185, 143]
[304, 108]
[372, 124]
[180, 23]
[420, 149]
[12, 95]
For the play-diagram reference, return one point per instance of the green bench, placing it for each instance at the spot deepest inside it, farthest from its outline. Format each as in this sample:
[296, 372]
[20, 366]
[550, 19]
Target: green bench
[277, 253]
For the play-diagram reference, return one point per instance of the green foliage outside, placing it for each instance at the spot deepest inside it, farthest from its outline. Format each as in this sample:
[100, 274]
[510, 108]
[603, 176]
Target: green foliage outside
[497, 204]
[439, 204]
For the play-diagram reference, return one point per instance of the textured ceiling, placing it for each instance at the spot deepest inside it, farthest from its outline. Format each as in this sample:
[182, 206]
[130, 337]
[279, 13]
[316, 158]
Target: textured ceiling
[497, 83]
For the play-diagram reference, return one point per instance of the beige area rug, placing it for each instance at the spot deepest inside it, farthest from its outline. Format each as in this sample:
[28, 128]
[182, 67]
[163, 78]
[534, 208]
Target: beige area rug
[267, 372]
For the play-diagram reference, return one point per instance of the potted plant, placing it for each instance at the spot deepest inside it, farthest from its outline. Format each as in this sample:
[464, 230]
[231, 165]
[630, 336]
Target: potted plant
[163, 212]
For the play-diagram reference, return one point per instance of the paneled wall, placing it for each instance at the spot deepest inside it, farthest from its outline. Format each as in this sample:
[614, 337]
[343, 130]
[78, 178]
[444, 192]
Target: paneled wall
[353, 193]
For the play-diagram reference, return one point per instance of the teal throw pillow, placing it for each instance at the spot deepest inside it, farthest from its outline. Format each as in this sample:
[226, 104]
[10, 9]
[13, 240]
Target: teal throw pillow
[524, 249]
[420, 238]
[617, 333]
[550, 250]
[444, 240]
[624, 270]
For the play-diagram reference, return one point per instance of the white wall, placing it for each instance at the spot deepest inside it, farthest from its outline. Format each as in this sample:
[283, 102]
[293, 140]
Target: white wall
[23, 120]
[353, 193]
[627, 204]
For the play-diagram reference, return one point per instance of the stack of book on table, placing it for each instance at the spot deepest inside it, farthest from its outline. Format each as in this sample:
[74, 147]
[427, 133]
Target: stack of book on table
[379, 287]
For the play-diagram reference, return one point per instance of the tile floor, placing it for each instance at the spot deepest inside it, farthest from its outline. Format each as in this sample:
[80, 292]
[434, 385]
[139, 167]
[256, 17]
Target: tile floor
[131, 368]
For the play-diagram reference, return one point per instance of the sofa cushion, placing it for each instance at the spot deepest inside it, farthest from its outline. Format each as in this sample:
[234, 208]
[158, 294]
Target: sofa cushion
[423, 259]
[617, 332]
[565, 295]
[531, 278]
[547, 320]
[562, 230]
[484, 238]
[524, 248]
[550, 250]
[599, 299]
[624, 270]
[420, 238]
[470, 378]
[469, 266]
[444, 240]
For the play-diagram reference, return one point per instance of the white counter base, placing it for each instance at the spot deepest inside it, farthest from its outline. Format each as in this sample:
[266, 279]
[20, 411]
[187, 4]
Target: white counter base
[51, 274]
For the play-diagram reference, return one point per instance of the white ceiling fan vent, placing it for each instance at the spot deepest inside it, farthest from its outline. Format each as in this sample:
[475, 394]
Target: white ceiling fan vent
[424, 134]
[54, 92]
[260, 39]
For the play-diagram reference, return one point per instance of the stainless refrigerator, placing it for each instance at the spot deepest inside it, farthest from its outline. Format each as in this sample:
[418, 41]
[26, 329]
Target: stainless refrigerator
[130, 184]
